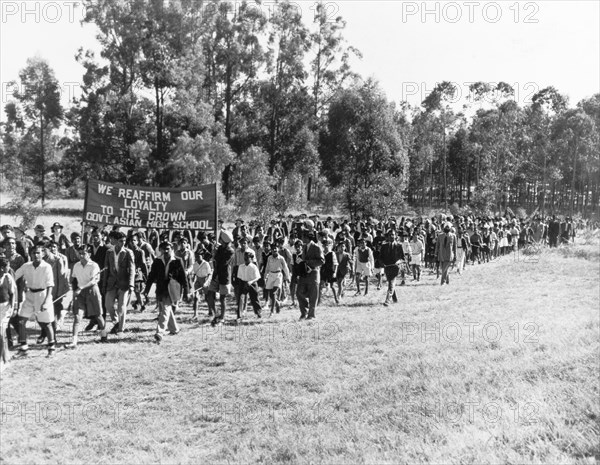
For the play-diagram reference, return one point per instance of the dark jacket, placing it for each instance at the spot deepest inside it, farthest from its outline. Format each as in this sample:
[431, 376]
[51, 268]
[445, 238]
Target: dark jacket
[223, 259]
[161, 277]
[125, 277]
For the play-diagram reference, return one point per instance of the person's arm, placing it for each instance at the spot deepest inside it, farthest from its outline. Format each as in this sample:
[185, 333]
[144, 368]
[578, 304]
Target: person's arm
[12, 291]
[130, 268]
[49, 287]
[143, 265]
[454, 249]
[151, 277]
[286, 270]
[255, 275]
[208, 276]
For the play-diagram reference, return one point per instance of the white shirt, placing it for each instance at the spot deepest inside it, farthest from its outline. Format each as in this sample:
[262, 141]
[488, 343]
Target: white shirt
[36, 278]
[248, 273]
[87, 275]
[201, 270]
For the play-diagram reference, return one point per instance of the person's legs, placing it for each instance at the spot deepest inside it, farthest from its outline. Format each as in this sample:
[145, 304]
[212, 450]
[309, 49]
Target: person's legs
[123, 301]
[445, 269]
[335, 297]
[23, 333]
[13, 324]
[390, 276]
[358, 278]
[47, 327]
[109, 302]
[240, 299]
[313, 294]
[164, 313]
[340, 282]
[77, 306]
[253, 295]
[210, 301]
[293, 286]
[302, 296]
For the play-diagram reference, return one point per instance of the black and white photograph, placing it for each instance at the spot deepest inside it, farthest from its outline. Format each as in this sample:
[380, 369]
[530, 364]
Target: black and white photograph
[299, 232]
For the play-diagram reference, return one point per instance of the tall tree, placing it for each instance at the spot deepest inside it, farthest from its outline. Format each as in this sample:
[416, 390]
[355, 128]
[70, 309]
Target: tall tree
[438, 103]
[362, 148]
[41, 110]
[330, 67]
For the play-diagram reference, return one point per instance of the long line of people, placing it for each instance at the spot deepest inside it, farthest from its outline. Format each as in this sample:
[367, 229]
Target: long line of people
[108, 272]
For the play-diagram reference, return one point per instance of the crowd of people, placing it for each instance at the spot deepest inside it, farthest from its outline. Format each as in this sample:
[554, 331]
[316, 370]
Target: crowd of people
[102, 273]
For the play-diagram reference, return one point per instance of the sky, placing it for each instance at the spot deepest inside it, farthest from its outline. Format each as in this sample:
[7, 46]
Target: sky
[408, 46]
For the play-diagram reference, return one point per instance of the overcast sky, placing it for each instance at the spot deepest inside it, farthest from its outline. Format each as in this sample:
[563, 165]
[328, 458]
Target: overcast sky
[407, 46]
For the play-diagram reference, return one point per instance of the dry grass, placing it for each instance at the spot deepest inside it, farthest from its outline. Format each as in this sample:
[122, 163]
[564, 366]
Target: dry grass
[499, 367]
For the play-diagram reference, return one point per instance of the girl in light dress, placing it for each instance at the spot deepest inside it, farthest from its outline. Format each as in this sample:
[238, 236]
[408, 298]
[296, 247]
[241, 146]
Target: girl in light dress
[363, 265]
[276, 273]
[417, 250]
[328, 270]
[502, 240]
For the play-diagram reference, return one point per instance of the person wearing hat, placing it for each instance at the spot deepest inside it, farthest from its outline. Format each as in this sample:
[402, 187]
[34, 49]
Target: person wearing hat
[237, 230]
[445, 251]
[72, 253]
[58, 237]
[247, 278]
[221, 278]
[40, 236]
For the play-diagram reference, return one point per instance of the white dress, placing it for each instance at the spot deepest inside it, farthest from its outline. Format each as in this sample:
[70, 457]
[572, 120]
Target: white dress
[416, 250]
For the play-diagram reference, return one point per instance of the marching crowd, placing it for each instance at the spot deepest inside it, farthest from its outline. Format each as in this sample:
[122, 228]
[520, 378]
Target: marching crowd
[106, 271]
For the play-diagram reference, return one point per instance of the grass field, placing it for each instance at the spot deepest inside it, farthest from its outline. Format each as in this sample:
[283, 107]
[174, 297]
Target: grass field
[502, 366]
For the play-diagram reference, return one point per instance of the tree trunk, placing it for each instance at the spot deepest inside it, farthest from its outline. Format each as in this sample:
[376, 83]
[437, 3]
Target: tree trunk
[43, 157]
[573, 178]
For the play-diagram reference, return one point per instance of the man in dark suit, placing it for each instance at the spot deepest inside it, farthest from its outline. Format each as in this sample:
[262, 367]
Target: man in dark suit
[119, 279]
[553, 231]
[313, 258]
[391, 256]
[171, 283]
[445, 251]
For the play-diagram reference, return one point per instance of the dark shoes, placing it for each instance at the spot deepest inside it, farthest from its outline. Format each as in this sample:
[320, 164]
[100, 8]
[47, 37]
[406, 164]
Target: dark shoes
[90, 326]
